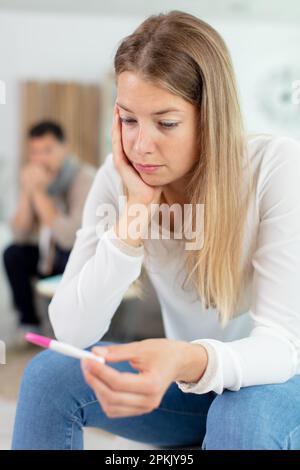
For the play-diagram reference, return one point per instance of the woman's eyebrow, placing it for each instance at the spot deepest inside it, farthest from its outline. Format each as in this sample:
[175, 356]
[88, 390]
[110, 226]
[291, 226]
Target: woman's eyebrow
[162, 111]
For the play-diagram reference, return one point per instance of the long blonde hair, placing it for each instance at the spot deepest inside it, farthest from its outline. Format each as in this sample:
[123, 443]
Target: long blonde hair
[186, 56]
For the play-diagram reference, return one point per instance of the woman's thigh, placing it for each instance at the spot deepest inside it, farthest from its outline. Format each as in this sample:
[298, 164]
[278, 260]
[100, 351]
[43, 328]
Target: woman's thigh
[256, 417]
[55, 403]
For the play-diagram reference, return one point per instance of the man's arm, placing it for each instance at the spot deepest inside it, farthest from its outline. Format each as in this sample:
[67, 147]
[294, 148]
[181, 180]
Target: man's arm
[44, 207]
[22, 221]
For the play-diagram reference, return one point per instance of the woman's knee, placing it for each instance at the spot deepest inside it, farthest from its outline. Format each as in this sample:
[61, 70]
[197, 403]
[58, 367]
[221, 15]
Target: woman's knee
[51, 371]
[49, 378]
[56, 379]
[42, 371]
[245, 419]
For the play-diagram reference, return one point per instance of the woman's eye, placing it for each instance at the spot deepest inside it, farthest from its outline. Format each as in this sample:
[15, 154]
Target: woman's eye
[127, 120]
[164, 124]
[169, 125]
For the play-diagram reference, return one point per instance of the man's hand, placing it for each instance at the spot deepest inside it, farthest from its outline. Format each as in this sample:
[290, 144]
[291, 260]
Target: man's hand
[25, 179]
[34, 181]
[34, 178]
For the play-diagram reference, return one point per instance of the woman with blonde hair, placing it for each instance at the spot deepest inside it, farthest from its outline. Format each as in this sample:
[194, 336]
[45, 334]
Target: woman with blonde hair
[226, 376]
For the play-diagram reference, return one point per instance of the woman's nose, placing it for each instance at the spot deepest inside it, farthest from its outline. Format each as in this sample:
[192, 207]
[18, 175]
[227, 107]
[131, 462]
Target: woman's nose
[143, 142]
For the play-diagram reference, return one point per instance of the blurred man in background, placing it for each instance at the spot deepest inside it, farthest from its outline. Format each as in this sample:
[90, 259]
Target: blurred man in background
[53, 189]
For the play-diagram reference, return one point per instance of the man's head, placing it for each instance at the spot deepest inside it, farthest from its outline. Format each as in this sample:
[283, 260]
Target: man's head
[47, 146]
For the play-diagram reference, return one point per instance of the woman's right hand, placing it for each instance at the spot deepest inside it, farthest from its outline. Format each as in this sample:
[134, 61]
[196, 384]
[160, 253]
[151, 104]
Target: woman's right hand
[138, 191]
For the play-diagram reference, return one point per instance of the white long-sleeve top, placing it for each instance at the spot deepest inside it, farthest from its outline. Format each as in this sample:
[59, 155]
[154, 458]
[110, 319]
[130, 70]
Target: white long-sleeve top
[261, 344]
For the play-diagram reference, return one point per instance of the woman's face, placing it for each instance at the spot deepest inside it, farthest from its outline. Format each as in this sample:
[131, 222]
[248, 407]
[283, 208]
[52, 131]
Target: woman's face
[158, 128]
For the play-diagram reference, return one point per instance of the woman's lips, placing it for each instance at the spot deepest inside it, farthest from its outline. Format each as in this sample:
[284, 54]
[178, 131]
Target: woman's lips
[146, 168]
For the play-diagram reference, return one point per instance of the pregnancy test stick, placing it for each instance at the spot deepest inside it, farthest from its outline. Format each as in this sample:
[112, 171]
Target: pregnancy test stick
[62, 348]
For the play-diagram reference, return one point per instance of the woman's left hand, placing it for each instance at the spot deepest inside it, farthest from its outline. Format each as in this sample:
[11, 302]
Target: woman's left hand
[159, 362]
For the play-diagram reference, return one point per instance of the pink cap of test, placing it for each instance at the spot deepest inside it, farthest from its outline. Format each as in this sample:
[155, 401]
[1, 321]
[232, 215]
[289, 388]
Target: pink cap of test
[38, 339]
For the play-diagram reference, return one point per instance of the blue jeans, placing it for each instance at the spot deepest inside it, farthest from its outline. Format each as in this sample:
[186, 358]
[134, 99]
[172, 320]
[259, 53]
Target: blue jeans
[55, 403]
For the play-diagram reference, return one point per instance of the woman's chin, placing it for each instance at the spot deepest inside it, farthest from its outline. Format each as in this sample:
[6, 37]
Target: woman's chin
[152, 180]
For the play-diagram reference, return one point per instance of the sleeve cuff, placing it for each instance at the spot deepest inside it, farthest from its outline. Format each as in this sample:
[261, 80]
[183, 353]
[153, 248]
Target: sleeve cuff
[205, 384]
[122, 245]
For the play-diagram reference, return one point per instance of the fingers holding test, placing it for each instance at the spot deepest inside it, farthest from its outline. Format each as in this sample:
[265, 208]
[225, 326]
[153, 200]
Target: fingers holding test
[111, 398]
[121, 381]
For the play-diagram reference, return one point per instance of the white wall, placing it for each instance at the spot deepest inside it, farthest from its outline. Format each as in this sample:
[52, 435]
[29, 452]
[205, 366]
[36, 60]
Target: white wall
[74, 47]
